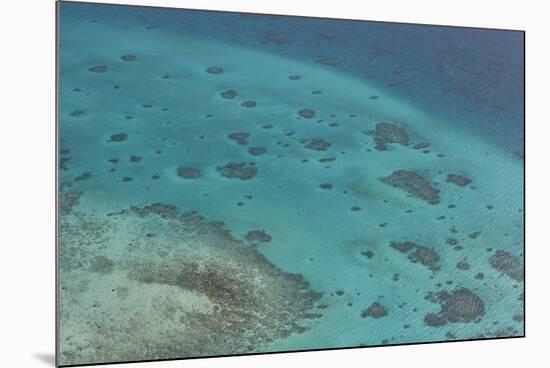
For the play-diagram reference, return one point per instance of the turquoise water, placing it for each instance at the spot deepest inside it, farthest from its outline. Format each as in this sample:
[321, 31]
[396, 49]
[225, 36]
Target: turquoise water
[235, 183]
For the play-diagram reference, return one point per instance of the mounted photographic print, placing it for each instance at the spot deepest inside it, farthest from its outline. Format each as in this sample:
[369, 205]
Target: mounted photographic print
[234, 183]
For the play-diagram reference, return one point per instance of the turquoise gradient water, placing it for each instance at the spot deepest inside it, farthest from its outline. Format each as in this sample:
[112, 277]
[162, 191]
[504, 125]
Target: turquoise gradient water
[138, 102]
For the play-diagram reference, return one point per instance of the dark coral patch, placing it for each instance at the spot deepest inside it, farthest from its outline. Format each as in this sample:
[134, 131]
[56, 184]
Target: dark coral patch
[427, 257]
[318, 144]
[101, 264]
[458, 306]
[414, 184]
[463, 265]
[328, 61]
[214, 70]
[272, 38]
[369, 254]
[376, 310]
[306, 113]
[83, 176]
[326, 186]
[187, 172]
[403, 247]
[128, 57]
[389, 133]
[507, 264]
[240, 137]
[459, 180]
[64, 159]
[238, 170]
[258, 236]
[98, 69]
[257, 151]
[421, 146]
[434, 320]
[229, 94]
[249, 104]
[77, 113]
[119, 137]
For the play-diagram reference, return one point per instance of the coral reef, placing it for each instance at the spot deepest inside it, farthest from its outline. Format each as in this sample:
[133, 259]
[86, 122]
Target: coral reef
[119, 137]
[414, 184]
[258, 236]
[507, 264]
[272, 38]
[187, 172]
[376, 310]
[214, 70]
[257, 151]
[240, 137]
[458, 306]
[328, 61]
[238, 170]
[76, 113]
[306, 113]
[101, 264]
[318, 144]
[459, 180]
[421, 145]
[229, 94]
[167, 299]
[98, 69]
[388, 133]
[64, 159]
[249, 104]
[427, 257]
[84, 176]
[128, 57]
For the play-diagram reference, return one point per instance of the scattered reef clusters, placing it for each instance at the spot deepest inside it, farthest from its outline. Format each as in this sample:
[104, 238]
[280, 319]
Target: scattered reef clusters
[152, 282]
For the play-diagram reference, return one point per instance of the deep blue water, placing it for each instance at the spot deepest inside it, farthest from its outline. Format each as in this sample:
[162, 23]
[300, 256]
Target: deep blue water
[464, 75]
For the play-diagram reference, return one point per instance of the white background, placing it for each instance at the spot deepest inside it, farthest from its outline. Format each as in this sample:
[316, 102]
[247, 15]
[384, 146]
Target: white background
[27, 182]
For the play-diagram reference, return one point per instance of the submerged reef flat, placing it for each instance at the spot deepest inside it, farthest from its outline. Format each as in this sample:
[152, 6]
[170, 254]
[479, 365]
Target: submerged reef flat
[508, 264]
[414, 184]
[386, 133]
[240, 137]
[417, 253]
[376, 310]
[238, 170]
[318, 144]
[129, 291]
[460, 180]
[460, 305]
[187, 172]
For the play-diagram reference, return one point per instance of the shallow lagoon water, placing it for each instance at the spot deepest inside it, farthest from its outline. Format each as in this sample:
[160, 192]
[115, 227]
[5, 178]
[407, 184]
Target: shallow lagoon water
[360, 184]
